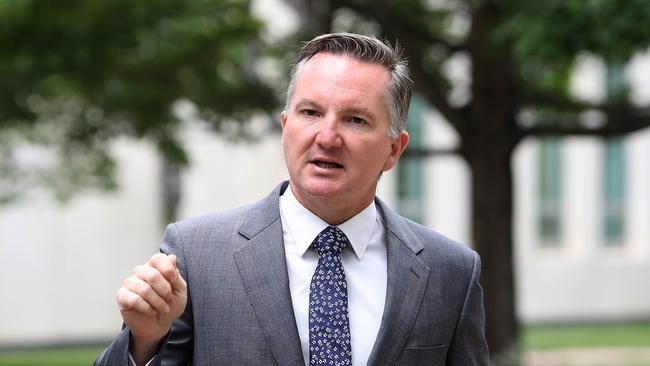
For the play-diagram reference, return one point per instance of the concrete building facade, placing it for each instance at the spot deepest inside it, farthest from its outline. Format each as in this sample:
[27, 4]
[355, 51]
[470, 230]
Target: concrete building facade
[582, 214]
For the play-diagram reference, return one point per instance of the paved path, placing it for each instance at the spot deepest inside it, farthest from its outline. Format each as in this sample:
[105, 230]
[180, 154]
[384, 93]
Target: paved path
[597, 356]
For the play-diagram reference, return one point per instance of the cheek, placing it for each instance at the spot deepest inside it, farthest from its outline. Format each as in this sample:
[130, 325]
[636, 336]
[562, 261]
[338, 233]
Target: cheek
[292, 144]
[372, 157]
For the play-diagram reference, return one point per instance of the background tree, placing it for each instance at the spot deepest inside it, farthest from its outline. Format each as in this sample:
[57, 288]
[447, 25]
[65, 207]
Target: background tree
[520, 56]
[76, 75]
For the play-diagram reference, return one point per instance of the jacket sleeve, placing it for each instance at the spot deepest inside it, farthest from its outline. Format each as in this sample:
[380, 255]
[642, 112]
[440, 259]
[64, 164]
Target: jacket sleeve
[177, 347]
[468, 347]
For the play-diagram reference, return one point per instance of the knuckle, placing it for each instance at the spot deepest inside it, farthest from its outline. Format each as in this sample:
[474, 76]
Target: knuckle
[130, 282]
[141, 288]
[119, 295]
[156, 258]
[147, 274]
[126, 300]
[165, 291]
[140, 305]
[132, 300]
[167, 271]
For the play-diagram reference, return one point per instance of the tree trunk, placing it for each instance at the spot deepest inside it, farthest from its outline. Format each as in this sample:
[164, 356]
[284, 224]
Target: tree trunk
[492, 237]
[170, 181]
[488, 140]
[315, 15]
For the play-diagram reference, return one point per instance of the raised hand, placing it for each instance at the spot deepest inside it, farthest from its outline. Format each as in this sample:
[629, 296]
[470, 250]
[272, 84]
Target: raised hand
[150, 300]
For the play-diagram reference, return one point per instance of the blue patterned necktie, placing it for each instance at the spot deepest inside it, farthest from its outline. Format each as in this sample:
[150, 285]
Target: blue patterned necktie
[329, 329]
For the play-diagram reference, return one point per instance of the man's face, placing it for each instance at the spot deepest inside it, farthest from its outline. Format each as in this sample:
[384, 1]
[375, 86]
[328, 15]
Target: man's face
[335, 133]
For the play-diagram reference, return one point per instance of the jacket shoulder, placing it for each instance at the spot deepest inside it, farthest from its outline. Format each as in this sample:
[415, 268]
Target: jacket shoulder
[440, 249]
[247, 220]
[230, 217]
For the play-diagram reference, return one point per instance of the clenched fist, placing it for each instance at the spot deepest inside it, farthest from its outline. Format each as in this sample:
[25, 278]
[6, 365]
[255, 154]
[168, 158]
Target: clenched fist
[150, 300]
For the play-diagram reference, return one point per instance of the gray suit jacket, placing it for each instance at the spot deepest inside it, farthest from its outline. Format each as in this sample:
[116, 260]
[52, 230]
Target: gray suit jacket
[239, 309]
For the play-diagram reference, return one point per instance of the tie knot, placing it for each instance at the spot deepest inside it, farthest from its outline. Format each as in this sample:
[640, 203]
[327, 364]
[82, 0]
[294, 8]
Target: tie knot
[330, 240]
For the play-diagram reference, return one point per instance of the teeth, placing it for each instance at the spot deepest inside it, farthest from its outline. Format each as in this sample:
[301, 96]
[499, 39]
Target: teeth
[327, 165]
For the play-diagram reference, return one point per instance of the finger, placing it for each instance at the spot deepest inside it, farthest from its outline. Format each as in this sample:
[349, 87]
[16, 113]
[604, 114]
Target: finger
[164, 265]
[179, 286]
[173, 259]
[147, 293]
[179, 283]
[155, 279]
[130, 301]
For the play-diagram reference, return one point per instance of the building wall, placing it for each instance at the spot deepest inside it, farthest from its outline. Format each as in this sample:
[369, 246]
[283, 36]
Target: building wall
[583, 278]
[61, 265]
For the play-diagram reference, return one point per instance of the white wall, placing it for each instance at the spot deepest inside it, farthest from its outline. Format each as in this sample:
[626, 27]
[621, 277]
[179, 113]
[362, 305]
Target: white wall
[582, 279]
[60, 266]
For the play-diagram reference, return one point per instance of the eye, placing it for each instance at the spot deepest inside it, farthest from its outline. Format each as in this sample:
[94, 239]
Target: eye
[357, 120]
[309, 112]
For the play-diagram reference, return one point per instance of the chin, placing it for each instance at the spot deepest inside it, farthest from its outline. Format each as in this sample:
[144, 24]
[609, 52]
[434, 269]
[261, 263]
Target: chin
[322, 189]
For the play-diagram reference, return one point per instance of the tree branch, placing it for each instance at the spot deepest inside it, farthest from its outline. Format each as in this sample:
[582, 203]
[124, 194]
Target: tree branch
[423, 152]
[619, 122]
[567, 103]
[388, 19]
[619, 118]
[554, 100]
[436, 97]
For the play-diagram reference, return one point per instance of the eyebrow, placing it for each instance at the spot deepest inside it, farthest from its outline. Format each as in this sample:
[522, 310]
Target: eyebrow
[366, 112]
[362, 111]
[306, 103]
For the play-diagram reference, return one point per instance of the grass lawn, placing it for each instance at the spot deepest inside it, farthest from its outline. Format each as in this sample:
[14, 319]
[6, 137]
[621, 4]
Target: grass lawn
[534, 337]
[606, 335]
[68, 356]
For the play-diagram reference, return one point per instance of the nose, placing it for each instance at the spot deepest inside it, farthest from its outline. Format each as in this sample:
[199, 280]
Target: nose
[328, 135]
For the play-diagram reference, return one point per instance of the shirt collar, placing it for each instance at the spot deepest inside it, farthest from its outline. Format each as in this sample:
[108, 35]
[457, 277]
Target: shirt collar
[304, 226]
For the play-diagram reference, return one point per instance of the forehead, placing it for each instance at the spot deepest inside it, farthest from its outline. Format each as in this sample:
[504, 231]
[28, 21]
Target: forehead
[334, 64]
[335, 75]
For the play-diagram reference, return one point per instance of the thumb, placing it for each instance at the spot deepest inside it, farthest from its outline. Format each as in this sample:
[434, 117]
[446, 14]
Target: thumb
[173, 277]
[179, 282]
[172, 258]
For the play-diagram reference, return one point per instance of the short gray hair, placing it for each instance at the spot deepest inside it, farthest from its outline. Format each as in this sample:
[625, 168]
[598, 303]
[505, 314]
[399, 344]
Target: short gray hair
[371, 50]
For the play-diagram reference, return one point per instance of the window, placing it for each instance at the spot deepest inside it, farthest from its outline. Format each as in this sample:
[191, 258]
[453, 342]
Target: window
[410, 172]
[614, 166]
[613, 191]
[549, 191]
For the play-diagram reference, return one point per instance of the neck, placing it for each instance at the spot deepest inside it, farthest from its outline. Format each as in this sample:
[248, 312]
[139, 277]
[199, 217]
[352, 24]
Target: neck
[331, 210]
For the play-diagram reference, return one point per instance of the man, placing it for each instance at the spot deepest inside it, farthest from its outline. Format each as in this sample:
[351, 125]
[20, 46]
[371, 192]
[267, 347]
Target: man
[320, 272]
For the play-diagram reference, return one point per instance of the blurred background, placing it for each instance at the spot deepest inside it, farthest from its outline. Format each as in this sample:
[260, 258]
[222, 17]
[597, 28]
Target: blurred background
[529, 143]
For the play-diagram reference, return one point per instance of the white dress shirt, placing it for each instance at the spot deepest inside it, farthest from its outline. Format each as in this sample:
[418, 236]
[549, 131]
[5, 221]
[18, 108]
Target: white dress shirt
[364, 265]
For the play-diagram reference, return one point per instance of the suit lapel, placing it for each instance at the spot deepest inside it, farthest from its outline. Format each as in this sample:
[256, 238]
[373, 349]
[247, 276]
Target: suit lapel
[263, 269]
[407, 281]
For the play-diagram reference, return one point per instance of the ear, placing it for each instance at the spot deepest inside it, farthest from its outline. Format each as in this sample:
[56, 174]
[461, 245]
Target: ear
[283, 118]
[397, 147]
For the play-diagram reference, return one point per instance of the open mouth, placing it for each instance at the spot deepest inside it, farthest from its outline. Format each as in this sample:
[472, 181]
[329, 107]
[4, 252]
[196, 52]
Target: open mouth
[326, 164]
